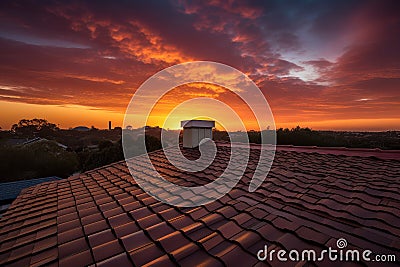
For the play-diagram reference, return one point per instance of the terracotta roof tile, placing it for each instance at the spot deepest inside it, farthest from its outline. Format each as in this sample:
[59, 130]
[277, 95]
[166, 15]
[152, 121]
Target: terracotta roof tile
[118, 260]
[146, 254]
[173, 241]
[83, 258]
[96, 226]
[103, 218]
[199, 233]
[163, 261]
[88, 219]
[126, 229]
[211, 240]
[99, 238]
[73, 247]
[106, 250]
[200, 258]
[135, 240]
[20, 262]
[70, 235]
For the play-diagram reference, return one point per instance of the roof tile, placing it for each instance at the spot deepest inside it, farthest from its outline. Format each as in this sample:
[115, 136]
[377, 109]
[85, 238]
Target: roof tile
[73, 247]
[229, 229]
[199, 233]
[119, 219]
[126, 229]
[83, 258]
[173, 241]
[200, 258]
[118, 260]
[98, 238]
[106, 250]
[45, 243]
[146, 254]
[63, 227]
[135, 240]
[163, 261]
[20, 262]
[95, 227]
[211, 240]
[70, 235]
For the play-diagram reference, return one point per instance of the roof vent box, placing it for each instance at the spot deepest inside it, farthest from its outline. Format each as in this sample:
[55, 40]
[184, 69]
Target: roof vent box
[196, 130]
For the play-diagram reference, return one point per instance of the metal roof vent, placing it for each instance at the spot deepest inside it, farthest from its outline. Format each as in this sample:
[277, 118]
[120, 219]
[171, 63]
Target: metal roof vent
[196, 130]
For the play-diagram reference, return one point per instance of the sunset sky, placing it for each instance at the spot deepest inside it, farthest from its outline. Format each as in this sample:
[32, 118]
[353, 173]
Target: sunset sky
[325, 65]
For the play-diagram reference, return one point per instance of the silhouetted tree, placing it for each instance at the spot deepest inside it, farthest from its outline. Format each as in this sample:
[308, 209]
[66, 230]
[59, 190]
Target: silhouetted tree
[36, 160]
[29, 128]
[108, 152]
[152, 143]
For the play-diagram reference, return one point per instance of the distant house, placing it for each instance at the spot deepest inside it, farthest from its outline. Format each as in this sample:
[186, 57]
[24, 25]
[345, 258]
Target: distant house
[25, 141]
[39, 139]
[9, 191]
[81, 129]
[15, 141]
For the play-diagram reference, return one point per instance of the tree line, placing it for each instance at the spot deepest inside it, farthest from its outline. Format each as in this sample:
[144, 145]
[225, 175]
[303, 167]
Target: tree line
[95, 148]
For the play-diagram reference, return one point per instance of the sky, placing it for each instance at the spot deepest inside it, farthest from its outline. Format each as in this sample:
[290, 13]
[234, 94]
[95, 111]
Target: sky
[331, 65]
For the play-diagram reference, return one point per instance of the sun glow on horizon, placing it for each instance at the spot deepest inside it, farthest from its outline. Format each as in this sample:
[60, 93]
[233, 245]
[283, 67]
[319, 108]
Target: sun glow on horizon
[70, 116]
[65, 116]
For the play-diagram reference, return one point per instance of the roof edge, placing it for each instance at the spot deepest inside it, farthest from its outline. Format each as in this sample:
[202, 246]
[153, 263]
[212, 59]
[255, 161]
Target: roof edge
[352, 152]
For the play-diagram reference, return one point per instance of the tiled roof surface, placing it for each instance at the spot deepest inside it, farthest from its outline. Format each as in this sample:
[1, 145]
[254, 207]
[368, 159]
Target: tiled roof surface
[11, 190]
[308, 201]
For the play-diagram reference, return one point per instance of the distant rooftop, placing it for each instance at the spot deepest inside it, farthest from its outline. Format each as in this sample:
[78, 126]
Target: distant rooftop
[81, 128]
[308, 201]
[40, 139]
[11, 190]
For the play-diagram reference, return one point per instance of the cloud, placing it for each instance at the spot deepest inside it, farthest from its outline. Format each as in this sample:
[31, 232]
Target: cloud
[320, 64]
[311, 60]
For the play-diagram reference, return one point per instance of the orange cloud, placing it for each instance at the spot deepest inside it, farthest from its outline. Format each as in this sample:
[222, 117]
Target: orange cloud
[94, 79]
[150, 49]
